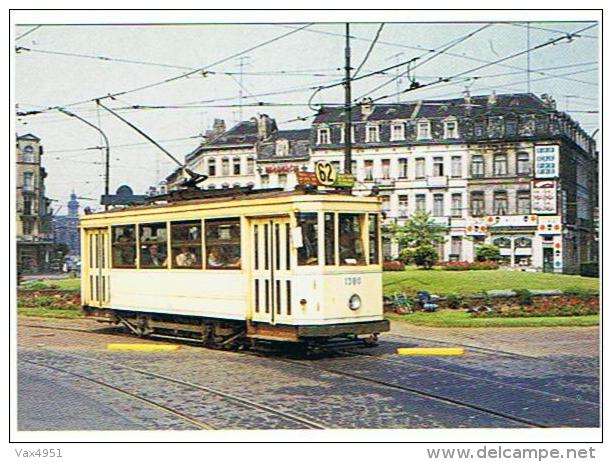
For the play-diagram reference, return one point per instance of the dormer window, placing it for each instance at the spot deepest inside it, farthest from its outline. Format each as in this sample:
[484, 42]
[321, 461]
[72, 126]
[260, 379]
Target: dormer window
[342, 134]
[372, 134]
[397, 132]
[282, 148]
[451, 129]
[423, 130]
[28, 154]
[323, 136]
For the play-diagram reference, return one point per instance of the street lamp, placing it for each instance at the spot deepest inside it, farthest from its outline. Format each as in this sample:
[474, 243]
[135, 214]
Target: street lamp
[107, 163]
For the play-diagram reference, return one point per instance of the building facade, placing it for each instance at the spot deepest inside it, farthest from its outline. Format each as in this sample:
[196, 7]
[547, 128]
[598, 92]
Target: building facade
[508, 170]
[66, 227]
[33, 232]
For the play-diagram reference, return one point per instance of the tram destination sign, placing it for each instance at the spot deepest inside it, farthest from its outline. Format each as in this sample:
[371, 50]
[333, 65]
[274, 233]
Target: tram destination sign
[326, 175]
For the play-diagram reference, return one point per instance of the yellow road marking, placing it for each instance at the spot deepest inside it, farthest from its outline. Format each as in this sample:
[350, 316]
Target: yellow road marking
[430, 351]
[140, 347]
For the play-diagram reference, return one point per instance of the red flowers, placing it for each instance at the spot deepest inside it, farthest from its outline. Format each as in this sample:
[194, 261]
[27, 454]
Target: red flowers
[393, 266]
[467, 265]
[551, 306]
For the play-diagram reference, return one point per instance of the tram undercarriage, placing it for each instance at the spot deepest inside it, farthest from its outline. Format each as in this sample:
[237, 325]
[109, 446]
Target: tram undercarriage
[239, 335]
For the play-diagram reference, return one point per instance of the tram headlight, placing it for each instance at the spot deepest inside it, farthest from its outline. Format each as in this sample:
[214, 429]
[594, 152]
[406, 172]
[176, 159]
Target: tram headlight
[354, 302]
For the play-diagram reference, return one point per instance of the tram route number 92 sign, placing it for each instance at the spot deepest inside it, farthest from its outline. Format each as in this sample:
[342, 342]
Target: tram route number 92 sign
[325, 174]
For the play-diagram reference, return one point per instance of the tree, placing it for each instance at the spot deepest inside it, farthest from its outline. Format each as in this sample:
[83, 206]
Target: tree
[488, 252]
[420, 229]
[425, 256]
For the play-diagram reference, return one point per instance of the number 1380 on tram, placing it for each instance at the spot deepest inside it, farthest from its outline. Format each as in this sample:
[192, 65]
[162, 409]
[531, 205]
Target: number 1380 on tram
[240, 270]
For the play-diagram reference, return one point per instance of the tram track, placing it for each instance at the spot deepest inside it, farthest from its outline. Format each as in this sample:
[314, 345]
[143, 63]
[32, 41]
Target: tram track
[226, 398]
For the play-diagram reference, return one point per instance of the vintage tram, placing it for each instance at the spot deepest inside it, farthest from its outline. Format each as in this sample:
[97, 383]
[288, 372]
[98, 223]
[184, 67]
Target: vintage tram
[239, 268]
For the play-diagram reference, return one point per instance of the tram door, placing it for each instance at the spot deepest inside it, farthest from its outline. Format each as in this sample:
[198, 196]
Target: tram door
[271, 270]
[97, 267]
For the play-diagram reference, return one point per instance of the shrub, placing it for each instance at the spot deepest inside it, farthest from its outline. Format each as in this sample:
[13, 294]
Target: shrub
[406, 256]
[571, 306]
[466, 265]
[453, 301]
[589, 269]
[425, 256]
[524, 297]
[393, 266]
[488, 252]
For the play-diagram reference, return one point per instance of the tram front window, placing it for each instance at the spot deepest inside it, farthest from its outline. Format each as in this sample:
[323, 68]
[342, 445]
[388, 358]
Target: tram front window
[124, 246]
[223, 244]
[308, 254]
[351, 239]
[153, 245]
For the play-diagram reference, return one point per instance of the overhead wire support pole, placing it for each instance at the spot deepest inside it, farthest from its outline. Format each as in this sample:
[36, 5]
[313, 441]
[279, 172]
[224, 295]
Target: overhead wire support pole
[107, 148]
[347, 104]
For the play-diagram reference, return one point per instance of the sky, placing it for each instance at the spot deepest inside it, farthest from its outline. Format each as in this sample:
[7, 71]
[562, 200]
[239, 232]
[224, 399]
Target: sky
[126, 57]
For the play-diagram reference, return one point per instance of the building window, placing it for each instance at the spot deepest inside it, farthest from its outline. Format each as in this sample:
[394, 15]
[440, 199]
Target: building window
[351, 238]
[354, 167]
[124, 246]
[28, 181]
[438, 205]
[265, 181]
[397, 132]
[336, 165]
[282, 148]
[342, 128]
[502, 242]
[451, 130]
[153, 241]
[27, 206]
[456, 205]
[403, 168]
[456, 167]
[479, 129]
[386, 203]
[369, 166]
[420, 203]
[386, 169]
[212, 167]
[522, 164]
[403, 206]
[456, 245]
[225, 167]
[500, 203]
[522, 243]
[282, 180]
[423, 130]
[500, 165]
[223, 243]
[186, 244]
[308, 254]
[372, 135]
[419, 170]
[511, 127]
[523, 202]
[438, 166]
[27, 228]
[236, 165]
[250, 166]
[477, 204]
[323, 136]
[477, 165]
[28, 154]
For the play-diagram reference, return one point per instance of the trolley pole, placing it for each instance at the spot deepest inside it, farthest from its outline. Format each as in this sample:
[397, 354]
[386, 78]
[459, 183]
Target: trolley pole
[347, 105]
[107, 148]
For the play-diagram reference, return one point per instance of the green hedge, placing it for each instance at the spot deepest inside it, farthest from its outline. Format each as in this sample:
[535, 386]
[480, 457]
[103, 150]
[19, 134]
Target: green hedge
[590, 269]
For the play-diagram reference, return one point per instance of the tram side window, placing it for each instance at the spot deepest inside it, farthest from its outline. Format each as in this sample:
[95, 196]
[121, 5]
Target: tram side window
[308, 254]
[124, 246]
[351, 239]
[153, 245]
[374, 238]
[186, 244]
[330, 239]
[223, 243]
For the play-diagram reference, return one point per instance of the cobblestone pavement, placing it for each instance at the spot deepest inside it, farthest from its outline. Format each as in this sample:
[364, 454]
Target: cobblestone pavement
[375, 394]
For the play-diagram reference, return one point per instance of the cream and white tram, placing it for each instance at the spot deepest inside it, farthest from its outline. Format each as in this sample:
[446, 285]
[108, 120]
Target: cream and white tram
[240, 269]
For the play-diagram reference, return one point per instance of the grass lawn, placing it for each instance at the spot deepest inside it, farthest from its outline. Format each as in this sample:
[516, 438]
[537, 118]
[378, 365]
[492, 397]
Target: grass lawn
[441, 282]
[447, 318]
[70, 284]
[42, 312]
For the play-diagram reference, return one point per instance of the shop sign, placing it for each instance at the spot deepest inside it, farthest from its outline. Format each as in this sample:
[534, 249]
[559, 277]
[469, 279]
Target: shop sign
[546, 161]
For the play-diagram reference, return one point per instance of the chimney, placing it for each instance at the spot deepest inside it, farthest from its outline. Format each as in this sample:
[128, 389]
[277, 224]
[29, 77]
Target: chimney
[265, 126]
[492, 99]
[549, 101]
[467, 101]
[218, 127]
[367, 107]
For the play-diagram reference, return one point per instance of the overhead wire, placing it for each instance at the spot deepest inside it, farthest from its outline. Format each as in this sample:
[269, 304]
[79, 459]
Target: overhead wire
[370, 48]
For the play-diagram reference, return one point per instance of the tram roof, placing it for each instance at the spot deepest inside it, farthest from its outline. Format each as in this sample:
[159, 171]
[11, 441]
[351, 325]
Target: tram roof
[238, 196]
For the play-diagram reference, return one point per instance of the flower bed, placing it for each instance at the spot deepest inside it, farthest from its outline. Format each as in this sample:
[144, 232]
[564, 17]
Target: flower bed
[552, 306]
[50, 299]
[467, 265]
[393, 266]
